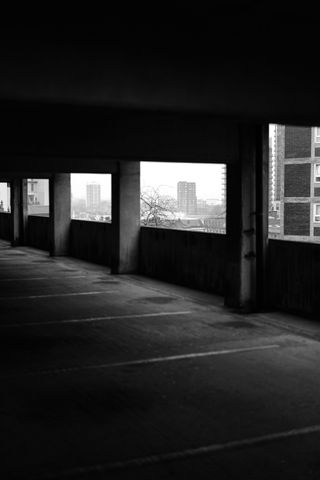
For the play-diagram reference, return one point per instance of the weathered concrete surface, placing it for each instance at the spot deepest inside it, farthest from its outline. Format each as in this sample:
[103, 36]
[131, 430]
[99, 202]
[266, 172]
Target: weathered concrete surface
[247, 221]
[193, 259]
[16, 204]
[91, 241]
[294, 276]
[38, 232]
[5, 226]
[125, 217]
[60, 213]
[65, 138]
[81, 393]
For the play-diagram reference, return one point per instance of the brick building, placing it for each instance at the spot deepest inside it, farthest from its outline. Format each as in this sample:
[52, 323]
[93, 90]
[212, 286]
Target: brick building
[296, 181]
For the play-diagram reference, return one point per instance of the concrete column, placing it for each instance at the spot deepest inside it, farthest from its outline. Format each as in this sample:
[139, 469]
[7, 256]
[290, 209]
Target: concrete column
[126, 217]
[19, 211]
[262, 217]
[60, 213]
[24, 211]
[247, 221]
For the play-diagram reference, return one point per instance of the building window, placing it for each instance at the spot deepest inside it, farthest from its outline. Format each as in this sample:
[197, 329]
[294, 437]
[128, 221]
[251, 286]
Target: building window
[5, 206]
[38, 197]
[317, 135]
[316, 213]
[184, 196]
[91, 197]
[317, 172]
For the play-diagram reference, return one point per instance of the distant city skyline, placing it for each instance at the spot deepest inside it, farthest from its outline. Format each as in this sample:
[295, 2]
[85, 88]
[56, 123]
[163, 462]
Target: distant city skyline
[163, 176]
[79, 183]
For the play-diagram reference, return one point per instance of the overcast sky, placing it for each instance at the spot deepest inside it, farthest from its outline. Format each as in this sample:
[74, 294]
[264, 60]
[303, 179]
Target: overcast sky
[79, 184]
[163, 176]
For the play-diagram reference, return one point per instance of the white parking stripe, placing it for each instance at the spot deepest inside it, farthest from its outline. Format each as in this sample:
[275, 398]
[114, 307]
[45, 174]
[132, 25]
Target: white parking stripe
[147, 361]
[49, 295]
[183, 454]
[93, 319]
[48, 277]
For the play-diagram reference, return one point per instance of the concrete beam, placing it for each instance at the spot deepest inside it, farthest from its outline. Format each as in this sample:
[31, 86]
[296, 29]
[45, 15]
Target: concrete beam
[63, 139]
[9, 176]
[126, 217]
[43, 166]
[60, 213]
[247, 221]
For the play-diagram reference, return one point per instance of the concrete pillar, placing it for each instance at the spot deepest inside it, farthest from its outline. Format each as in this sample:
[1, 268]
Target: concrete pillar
[24, 211]
[126, 217]
[262, 217]
[247, 221]
[60, 213]
[19, 211]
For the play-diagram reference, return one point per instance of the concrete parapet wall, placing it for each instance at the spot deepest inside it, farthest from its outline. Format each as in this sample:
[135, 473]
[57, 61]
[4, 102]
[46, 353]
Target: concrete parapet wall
[193, 259]
[38, 232]
[294, 276]
[91, 241]
[5, 226]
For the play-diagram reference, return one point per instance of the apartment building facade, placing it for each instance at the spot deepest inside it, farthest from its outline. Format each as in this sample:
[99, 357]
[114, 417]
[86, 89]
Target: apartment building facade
[187, 197]
[295, 182]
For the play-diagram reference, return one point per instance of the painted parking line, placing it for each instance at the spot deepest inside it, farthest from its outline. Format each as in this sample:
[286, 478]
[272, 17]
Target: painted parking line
[94, 319]
[16, 258]
[139, 462]
[52, 295]
[28, 266]
[48, 277]
[145, 361]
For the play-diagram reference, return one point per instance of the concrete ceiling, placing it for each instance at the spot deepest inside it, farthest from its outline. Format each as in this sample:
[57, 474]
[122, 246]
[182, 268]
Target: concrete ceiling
[242, 59]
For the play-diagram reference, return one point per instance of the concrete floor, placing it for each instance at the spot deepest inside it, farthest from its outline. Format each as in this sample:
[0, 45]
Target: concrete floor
[124, 377]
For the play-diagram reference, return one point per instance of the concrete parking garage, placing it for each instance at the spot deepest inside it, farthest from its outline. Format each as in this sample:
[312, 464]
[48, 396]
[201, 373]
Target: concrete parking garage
[126, 377]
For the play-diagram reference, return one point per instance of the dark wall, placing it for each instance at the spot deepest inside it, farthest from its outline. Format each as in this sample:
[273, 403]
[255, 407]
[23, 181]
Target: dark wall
[5, 226]
[38, 232]
[294, 276]
[297, 142]
[194, 259]
[91, 241]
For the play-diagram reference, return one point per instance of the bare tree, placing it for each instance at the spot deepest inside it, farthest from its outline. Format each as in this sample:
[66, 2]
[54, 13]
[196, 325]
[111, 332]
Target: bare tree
[156, 209]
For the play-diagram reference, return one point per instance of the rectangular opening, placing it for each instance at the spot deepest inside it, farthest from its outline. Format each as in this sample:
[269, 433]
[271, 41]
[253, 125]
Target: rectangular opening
[184, 196]
[5, 202]
[38, 197]
[294, 182]
[91, 197]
